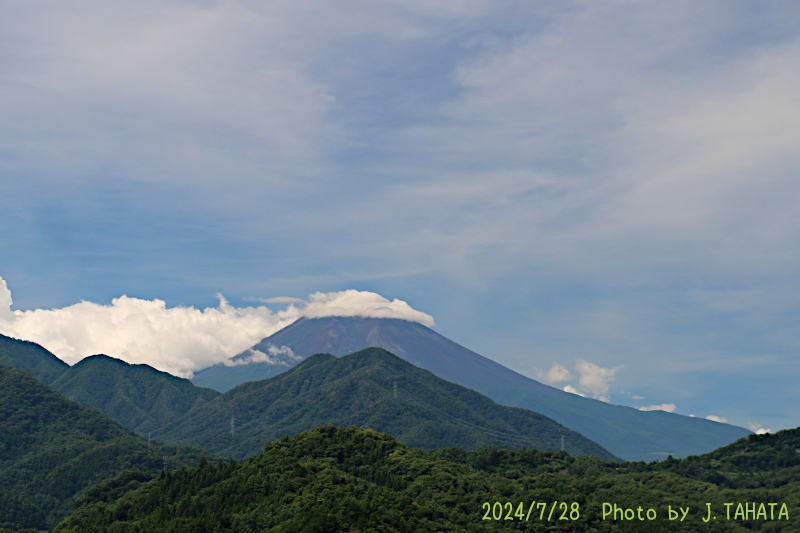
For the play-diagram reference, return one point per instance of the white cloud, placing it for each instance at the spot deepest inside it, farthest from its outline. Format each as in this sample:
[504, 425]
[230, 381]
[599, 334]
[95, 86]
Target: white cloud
[595, 378]
[573, 390]
[556, 374]
[668, 407]
[180, 340]
[638, 397]
[257, 356]
[363, 304]
[282, 300]
[757, 429]
[5, 302]
[716, 418]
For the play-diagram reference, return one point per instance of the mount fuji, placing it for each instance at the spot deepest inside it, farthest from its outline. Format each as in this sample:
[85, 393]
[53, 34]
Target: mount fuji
[627, 432]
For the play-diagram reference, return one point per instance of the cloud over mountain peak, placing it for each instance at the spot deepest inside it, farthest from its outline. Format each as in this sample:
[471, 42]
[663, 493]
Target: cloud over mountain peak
[364, 304]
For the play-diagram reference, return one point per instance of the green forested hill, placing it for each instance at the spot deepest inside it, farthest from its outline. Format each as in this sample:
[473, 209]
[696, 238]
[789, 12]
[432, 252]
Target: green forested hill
[371, 388]
[331, 480]
[769, 461]
[31, 358]
[139, 397]
[51, 449]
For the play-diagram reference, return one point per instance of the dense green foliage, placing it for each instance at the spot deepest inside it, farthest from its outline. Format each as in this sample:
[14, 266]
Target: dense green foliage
[760, 461]
[52, 449]
[31, 358]
[139, 397]
[359, 389]
[332, 480]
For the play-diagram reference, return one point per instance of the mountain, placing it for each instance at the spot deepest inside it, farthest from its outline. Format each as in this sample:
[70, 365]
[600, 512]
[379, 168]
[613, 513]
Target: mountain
[52, 449]
[371, 388]
[139, 397]
[31, 358]
[350, 479]
[626, 432]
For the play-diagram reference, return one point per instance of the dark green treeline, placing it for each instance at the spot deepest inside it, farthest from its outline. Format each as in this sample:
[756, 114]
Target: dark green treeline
[332, 479]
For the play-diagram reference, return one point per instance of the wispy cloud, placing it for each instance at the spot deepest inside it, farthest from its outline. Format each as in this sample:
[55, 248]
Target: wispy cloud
[668, 407]
[281, 300]
[276, 356]
[556, 374]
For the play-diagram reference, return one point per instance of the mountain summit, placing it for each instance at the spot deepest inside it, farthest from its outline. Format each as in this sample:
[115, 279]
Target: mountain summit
[626, 432]
[375, 389]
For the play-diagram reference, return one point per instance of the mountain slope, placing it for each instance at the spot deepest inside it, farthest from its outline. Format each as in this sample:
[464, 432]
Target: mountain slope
[334, 479]
[627, 432]
[31, 358]
[771, 461]
[139, 397]
[371, 388]
[52, 449]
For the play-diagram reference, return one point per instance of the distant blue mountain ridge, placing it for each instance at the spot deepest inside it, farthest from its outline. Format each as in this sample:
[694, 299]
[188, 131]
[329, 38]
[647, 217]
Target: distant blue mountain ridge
[626, 432]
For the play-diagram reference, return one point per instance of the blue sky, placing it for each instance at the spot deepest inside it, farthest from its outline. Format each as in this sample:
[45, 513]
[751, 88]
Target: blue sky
[613, 183]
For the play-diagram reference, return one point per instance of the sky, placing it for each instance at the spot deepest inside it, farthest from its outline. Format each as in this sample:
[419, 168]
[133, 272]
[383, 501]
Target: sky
[599, 195]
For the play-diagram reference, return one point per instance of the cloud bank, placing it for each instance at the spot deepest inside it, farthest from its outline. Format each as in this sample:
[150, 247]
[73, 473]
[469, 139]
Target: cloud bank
[179, 340]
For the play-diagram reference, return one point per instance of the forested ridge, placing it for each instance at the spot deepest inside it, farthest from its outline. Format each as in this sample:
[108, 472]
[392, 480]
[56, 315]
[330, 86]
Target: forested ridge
[31, 358]
[55, 452]
[52, 449]
[351, 479]
[139, 397]
[370, 388]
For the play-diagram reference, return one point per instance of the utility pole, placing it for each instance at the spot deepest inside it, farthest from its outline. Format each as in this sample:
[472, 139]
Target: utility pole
[164, 458]
[562, 443]
[231, 426]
